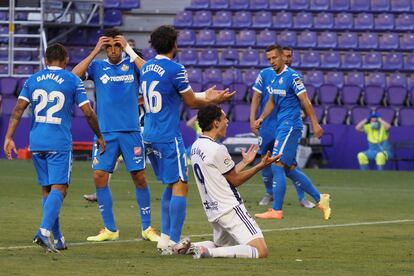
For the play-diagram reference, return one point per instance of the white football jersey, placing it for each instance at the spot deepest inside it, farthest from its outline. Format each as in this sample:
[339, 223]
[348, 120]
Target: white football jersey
[210, 160]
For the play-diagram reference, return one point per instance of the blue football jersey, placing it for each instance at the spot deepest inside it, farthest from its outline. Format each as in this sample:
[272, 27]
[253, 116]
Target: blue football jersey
[52, 93]
[117, 89]
[162, 82]
[285, 88]
[262, 86]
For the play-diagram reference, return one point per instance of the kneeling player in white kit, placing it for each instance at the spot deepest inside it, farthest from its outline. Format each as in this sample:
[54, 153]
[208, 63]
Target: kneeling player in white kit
[236, 234]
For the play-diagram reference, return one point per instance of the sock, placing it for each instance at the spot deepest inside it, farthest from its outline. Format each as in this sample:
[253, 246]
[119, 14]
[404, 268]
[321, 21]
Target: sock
[51, 209]
[143, 199]
[267, 177]
[363, 167]
[305, 183]
[206, 244]
[299, 191]
[178, 206]
[279, 187]
[104, 197]
[165, 211]
[237, 251]
[380, 167]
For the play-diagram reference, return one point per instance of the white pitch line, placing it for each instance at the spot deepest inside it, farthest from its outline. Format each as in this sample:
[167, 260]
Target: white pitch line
[209, 234]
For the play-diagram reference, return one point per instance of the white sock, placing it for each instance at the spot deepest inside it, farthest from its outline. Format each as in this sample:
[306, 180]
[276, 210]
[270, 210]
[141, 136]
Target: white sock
[45, 232]
[237, 251]
[207, 244]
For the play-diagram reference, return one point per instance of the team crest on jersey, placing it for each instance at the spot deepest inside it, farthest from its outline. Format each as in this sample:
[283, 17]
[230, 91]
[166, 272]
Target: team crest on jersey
[105, 78]
[280, 81]
[124, 67]
[227, 161]
[137, 150]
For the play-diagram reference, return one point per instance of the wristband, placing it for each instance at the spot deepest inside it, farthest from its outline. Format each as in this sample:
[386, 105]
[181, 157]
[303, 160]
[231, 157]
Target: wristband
[131, 53]
[201, 95]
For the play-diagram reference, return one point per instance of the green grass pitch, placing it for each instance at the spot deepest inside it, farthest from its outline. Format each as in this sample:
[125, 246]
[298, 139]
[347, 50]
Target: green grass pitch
[371, 231]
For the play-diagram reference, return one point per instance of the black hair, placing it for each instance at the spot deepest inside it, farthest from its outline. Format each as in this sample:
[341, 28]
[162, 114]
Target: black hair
[112, 32]
[163, 39]
[288, 49]
[56, 52]
[207, 115]
[274, 47]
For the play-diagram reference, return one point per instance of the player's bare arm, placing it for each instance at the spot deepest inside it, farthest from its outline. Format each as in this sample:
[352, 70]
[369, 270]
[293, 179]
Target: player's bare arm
[128, 49]
[270, 105]
[253, 111]
[308, 108]
[9, 145]
[211, 96]
[93, 123]
[82, 67]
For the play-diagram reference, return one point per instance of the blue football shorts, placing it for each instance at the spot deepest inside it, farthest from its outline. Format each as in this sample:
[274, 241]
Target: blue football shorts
[52, 167]
[128, 144]
[266, 141]
[286, 142]
[168, 160]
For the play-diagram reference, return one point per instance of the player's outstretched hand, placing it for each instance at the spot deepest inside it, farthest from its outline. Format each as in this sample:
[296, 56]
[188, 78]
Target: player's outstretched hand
[219, 96]
[103, 40]
[100, 143]
[257, 123]
[254, 129]
[250, 154]
[267, 159]
[121, 40]
[317, 131]
[9, 146]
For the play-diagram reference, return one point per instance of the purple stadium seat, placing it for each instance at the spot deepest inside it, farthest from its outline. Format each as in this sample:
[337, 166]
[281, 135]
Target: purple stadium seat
[351, 60]
[226, 38]
[355, 78]
[393, 61]
[112, 17]
[263, 60]
[183, 19]
[409, 62]
[231, 75]
[78, 54]
[406, 117]
[401, 5]
[238, 4]
[303, 20]
[331, 59]
[336, 115]
[8, 86]
[372, 60]
[241, 113]
[310, 59]
[229, 56]
[202, 19]
[307, 39]
[327, 94]
[319, 112]
[20, 84]
[212, 76]
[4, 54]
[249, 76]
[348, 40]
[344, 21]
[327, 40]
[206, 37]
[266, 37]
[296, 59]
[200, 4]
[359, 5]
[111, 4]
[246, 37]
[397, 79]
[283, 20]
[187, 56]
[222, 19]
[24, 69]
[389, 41]
[404, 21]
[208, 57]
[407, 41]
[396, 95]
[350, 95]
[376, 78]
[242, 19]
[259, 4]
[380, 5]
[3, 69]
[240, 89]
[195, 75]
[324, 21]
[149, 53]
[373, 95]
[226, 108]
[319, 5]
[7, 105]
[364, 21]
[299, 5]
[249, 57]
[410, 84]
[287, 38]
[335, 78]
[129, 4]
[186, 38]
[278, 4]
[340, 5]
[262, 19]
[368, 41]
[359, 113]
[384, 21]
[314, 78]
[387, 113]
[93, 36]
[22, 55]
[311, 91]
[4, 16]
[4, 30]
[219, 4]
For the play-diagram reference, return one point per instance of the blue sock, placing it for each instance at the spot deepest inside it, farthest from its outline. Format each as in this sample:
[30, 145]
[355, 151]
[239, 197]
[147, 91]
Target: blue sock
[299, 191]
[279, 187]
[51, 209]
[267, 177]
[104, 197]
[143, 199]
[363, 167]
[380, 167]
[178, 206]
[56, 226]
[305, 183]
[165, 211]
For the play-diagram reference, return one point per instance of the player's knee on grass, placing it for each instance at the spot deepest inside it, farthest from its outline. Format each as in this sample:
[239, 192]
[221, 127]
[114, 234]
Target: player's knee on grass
[139, 179]
[180, 188]
[100, 178]
[362, 158]
[261, 247]
[380, 159]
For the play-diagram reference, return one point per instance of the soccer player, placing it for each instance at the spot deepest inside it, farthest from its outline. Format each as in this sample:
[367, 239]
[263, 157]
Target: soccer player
[288, 95]
[267, 130]
[164, 84]
[52, 93]
[116, 84]
[235, 232]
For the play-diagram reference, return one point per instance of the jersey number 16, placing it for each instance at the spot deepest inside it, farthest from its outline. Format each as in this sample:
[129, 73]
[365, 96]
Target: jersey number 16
[152, 98]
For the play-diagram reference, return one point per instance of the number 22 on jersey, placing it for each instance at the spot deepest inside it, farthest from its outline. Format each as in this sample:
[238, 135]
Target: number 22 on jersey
[42, 98]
